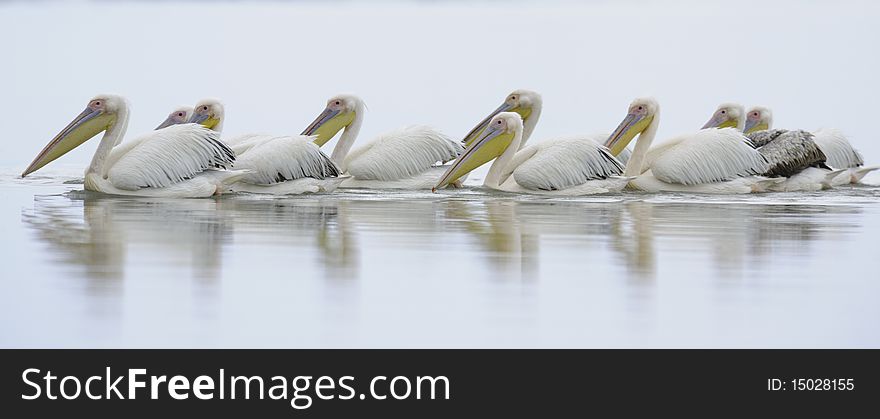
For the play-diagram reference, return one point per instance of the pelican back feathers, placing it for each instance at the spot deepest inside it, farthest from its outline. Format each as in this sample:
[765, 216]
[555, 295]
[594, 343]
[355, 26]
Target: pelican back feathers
[839, 152]
[560, 164]
[279, 159]
[788, 152]
[401, 154]
[708, 156]
[168, 156]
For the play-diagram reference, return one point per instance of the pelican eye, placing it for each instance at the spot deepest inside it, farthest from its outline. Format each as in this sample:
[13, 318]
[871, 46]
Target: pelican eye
[723, 112]
[180, 114]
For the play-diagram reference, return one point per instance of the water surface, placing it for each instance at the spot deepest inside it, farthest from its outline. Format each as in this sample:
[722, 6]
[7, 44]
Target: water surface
[465, 268]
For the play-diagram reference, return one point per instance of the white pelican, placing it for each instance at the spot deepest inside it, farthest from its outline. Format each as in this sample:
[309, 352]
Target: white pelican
[177, 161]
[758, 118]
[838, 151]
[565, 166]
[792, 155]
[178, 116]
[707, 161]
[728, 115]
[574, 166]
[526, 103]
[278, 165]
[405, 158]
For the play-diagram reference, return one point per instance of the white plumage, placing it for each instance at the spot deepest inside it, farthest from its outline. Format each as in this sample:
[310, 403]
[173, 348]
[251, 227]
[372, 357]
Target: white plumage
[401, 154]
[563, 163]
[400, 159]
[242, 143]
[710, 155]
[277, 165]
[839, 153]
[278, 159]
[563, 167]
[179, 161]
[810, 179]
[167, 156]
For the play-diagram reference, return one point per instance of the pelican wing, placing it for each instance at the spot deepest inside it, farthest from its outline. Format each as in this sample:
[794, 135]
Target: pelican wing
[167, 156]
[401, 154]
[242, 143]
[278, 159]
[761, 138]
[707, 156]
[839, 152]
[563, 163]
[657, 151]
[788, 152]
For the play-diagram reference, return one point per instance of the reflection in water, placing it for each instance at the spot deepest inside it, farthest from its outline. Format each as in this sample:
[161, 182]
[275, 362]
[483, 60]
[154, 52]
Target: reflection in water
[96, 232]
[498, 231]
[460, 268]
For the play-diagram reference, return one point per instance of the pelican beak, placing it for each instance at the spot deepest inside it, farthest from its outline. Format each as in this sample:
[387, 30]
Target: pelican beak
[631, 126]
[720, 121]
[490, 143]
[206, 120]
[754, 125]
[167, 123]
[327, 124]
[85, 126]
[477, 130]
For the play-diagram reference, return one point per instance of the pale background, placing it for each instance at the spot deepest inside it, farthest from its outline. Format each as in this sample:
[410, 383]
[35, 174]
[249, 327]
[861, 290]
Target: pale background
[463, 268]
[441, 63]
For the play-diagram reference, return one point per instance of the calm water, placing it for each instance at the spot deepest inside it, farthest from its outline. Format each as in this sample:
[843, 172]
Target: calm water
[464, 268]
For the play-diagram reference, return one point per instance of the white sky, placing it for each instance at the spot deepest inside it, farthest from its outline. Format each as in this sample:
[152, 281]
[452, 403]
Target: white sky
[275, 64]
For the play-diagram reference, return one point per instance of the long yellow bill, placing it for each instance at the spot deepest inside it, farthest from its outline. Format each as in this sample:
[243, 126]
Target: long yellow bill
[489, 145]
[631, 126]
[203, 119]
[755, 126]
[85, 126]
[718, 121]
[481, 126]
[327, 124]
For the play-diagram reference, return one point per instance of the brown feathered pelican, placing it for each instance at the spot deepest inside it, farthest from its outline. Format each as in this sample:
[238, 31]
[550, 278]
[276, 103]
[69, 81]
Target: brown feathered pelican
[839, 153]
[793, 155]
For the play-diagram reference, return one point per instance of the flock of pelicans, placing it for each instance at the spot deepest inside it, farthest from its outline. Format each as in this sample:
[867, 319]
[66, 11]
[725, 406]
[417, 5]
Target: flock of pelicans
[735, 152]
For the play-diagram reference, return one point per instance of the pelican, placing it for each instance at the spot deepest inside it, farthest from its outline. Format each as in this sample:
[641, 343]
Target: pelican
[405, 158]
[565, 166]
[793, 155]
[528, 104]
[758, 118]
[178, 116]
[838, 151]
[728, 115]
[707, 161]
[278, 165]
[177, 161]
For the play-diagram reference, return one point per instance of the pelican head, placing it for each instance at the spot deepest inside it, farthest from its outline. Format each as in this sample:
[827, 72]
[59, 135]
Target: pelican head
[521, 101]
[489, 144]
[209, 113]
[642, 112]
[728, 115]
[100, 114]
[758, 118]
[339, 113]
[178, 116]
